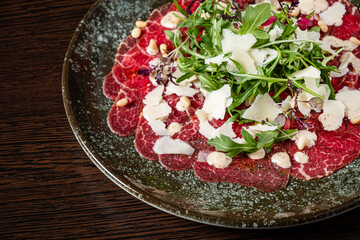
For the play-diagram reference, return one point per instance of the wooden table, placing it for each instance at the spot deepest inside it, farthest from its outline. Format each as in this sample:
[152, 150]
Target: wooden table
[48, 186]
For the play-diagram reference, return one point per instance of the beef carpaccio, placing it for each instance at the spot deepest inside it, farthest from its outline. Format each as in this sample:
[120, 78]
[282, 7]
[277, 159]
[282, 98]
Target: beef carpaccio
[174, 121]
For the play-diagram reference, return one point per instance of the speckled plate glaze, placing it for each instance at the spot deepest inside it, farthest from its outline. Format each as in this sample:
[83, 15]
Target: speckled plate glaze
[90, 57]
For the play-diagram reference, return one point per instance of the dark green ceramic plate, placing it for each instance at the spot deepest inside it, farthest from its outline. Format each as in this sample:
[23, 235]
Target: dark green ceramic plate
[90, 58]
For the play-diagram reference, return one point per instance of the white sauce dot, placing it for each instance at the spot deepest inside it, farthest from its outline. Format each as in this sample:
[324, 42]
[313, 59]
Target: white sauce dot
[281, 159]
[218, 160]
[301, 157]
[260, 154]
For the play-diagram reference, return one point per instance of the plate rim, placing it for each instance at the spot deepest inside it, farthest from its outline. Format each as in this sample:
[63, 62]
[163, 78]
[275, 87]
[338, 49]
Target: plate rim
[157, 203]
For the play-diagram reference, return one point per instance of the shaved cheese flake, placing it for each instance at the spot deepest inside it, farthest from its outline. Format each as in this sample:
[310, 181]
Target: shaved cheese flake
[275, 33]
[286, 103]
[205, 127]
[167, 145]
[232, 41]
[338, 43]
[217, 60]
[180, 90]
[245, 60]
[306, 35]
[156, 112]
[158, 127]
[155, 96]
[259, 56]
[215, 102]
[309, 72]
[327, 47]
[308, 6]
[351, 100]
[324, 91]
[263, 109]
[197, 84]
[302, 104]
[347, 58]
[225, 129]
[311, 83]
[228, 102]
[342, 72]
[333, 15]
[333, 115]
[208, 131]
[258, 128]
[271, 53]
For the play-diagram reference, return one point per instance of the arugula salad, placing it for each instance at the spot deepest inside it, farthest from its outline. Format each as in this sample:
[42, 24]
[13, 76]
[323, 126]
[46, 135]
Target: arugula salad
[256, 52]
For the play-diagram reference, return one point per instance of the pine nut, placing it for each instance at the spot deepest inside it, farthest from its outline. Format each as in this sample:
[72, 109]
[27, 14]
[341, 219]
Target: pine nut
[152, 49]
[185, 101]
[295, 12]
[355, 120]
[141, 24]
[174, 127]
[183, 104]
[324, 28]
[163, 49]
[136, 32]
[301, 143]
[354, 40]
[122, 102]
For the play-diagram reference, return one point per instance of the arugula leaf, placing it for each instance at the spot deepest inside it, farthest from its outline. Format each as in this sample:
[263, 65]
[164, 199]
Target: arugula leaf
[181, 10]
[327, 80]
[266, 137]
[285, 135]
[169, 34]
[225, 144]
[242, 97]
[253, 18]
[265, 140]
[237, 65]
[247, 136]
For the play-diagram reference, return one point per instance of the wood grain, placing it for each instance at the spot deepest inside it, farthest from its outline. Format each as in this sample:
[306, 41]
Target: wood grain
[48, 186]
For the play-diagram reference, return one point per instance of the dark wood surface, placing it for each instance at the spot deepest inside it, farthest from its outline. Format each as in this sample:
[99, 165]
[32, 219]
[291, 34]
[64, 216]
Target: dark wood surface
[48, 186]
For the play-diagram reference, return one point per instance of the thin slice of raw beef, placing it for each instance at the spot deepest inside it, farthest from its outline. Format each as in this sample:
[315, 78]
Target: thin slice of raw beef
[145, 139]
[260, 174]
[137, 57]
[332, 151]
[124, 120]
[190, 134]
[129, 59]
[178, 161]
[111, 88]
[126, 50]
[350, 80]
